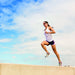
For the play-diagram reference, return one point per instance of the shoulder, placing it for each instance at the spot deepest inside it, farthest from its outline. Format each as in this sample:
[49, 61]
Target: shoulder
[50, 27]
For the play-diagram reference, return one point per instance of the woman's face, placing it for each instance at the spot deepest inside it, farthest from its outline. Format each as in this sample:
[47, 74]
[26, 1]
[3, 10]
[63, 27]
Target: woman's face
[45, 24]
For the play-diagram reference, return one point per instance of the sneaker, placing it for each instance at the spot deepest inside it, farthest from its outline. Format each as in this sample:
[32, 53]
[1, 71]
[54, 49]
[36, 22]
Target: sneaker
[60, 63]
[47, 55]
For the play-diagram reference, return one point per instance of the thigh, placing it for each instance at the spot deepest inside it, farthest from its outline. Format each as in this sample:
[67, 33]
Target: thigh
[53, 47]
[45, 43]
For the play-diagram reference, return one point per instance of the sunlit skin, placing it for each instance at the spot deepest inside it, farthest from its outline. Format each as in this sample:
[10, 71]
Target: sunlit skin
[46, 43]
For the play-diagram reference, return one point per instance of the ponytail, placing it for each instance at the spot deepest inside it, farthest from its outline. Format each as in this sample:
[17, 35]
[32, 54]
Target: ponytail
[48, 25]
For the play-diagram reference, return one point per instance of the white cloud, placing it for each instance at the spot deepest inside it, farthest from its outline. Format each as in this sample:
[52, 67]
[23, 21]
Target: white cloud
[56, 12]
[6, 11]
[5, 40]
[14, 57]
[6, 2]
[28, 19]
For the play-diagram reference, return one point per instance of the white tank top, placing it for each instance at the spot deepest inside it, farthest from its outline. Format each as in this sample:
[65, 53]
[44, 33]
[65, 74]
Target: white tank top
[48, 35]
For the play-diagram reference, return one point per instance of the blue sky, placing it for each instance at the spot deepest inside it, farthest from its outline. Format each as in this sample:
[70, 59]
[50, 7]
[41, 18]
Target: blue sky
[21, 31]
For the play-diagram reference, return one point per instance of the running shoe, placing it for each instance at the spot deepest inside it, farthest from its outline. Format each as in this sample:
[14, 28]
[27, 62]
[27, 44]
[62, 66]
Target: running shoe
[60, 63]
[47, 55]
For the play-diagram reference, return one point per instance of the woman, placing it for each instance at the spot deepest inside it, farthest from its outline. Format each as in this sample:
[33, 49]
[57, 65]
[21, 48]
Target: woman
[48, 31]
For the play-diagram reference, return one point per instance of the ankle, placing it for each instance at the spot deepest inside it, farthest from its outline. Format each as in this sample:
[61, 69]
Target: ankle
[60, 61]
[48, 53]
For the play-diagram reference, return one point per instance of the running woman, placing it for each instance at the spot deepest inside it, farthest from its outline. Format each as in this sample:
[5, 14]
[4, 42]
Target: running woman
[48, 31]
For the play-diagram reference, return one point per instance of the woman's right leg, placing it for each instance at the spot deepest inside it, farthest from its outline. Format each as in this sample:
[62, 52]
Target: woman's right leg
[44, 47]
[56, 53]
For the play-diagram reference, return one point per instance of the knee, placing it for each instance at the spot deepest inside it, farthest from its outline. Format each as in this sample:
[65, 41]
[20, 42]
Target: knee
[54, 49]
[42, 44]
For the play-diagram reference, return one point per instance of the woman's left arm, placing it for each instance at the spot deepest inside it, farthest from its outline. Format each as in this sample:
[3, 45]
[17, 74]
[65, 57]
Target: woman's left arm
[52, 30]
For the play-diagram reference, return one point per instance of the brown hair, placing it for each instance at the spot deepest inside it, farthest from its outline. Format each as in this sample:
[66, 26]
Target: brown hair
[47, 22]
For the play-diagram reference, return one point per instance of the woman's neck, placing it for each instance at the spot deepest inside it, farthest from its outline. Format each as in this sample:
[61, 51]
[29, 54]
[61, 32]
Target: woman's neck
[45, 28]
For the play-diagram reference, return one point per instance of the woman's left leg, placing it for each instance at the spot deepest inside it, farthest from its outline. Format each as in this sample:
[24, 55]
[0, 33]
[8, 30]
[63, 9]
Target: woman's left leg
[55, 51]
